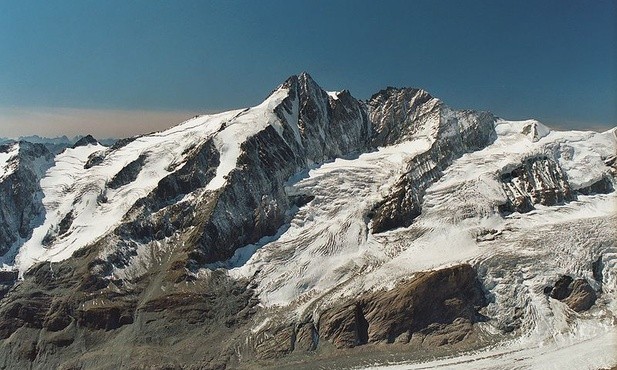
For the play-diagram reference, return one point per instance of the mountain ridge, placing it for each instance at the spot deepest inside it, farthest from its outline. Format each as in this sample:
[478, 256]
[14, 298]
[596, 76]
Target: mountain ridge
[288, 229]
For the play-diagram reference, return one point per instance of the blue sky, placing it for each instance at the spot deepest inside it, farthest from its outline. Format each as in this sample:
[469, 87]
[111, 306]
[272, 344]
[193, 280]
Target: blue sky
[108, 66]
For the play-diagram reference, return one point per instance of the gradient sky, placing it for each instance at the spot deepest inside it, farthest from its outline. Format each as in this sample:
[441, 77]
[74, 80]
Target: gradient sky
[115, 68]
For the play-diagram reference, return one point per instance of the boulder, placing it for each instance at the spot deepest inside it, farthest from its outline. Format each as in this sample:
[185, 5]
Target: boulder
[577, 294]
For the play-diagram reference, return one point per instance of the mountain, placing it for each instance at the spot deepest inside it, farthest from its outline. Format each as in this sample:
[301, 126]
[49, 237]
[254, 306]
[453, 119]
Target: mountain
[54, 145]
[313, 230]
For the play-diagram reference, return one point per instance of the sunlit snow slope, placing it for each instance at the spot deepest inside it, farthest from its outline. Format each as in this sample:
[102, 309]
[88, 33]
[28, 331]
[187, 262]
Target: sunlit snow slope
[307, 200]
[81, 194]
[328, 251]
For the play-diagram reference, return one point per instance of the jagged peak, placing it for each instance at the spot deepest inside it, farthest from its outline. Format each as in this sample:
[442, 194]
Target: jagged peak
[86, 140]
[304, 81]
[305, 87]
[394, 91]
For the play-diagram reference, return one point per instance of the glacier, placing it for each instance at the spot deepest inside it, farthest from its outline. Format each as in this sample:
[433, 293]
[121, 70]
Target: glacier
[281, 231]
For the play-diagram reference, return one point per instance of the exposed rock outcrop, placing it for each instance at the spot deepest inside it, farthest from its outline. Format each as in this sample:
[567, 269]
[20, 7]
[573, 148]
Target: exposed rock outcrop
[442, 303]
[539, 180]
[576, 293]
[397, 114]
[315, 128]
[453, 134]
[21, 197]
[603, 186]
[7, 280]
[128, 173]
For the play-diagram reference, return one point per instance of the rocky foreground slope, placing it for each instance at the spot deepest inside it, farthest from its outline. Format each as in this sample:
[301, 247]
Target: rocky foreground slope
[308, 229]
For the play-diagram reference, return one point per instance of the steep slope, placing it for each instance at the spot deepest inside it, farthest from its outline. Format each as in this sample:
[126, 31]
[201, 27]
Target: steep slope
[22, 165]
[450, 134]
[135, 216]
[291, 232]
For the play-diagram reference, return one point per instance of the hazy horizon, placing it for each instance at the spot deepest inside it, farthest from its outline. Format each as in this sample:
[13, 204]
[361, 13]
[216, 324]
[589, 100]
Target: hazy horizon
[101, 123]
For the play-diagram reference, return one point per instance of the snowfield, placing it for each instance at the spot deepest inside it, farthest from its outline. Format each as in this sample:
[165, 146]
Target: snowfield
[327, 252]
[70, 188]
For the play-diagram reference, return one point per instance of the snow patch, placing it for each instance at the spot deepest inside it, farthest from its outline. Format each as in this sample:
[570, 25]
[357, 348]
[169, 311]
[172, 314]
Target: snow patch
[5, 160]
[333, 94]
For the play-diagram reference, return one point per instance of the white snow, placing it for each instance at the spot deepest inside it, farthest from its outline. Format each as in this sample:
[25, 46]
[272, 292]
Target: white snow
[242, 126]
[5, 166]
[330, 235]
[328, 253]
[67, 186]
[333, 94]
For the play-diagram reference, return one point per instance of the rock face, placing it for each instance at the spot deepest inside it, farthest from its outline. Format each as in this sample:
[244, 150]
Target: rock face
[602, 186]
[20, 195]
[432, 309]
[577, 294]
[326, 128]
[539, 180]
[7, 280]
[451, 133]
[399, 113]
[437, 306]
[155, 286]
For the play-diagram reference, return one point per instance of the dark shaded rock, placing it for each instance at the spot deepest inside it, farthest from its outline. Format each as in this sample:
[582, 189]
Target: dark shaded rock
[26, 311]
[577, 294]
[582, 296]
[123, 142]
[106, 315]
[596, 268]
[275, 343]
[602, 186]
[59, 315]
[86, 140]
[65, 223]
[307, 337]
[396, 113]
[280, 340]
[301, 199]
[95, 159]
[198, 170]
[6, 147]
[404, 203]
[7, 280]
[128, 173]
[7, 276]
[429, 303]
[344, 327]
[20, 195]
[562, 289]
[436, 335]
